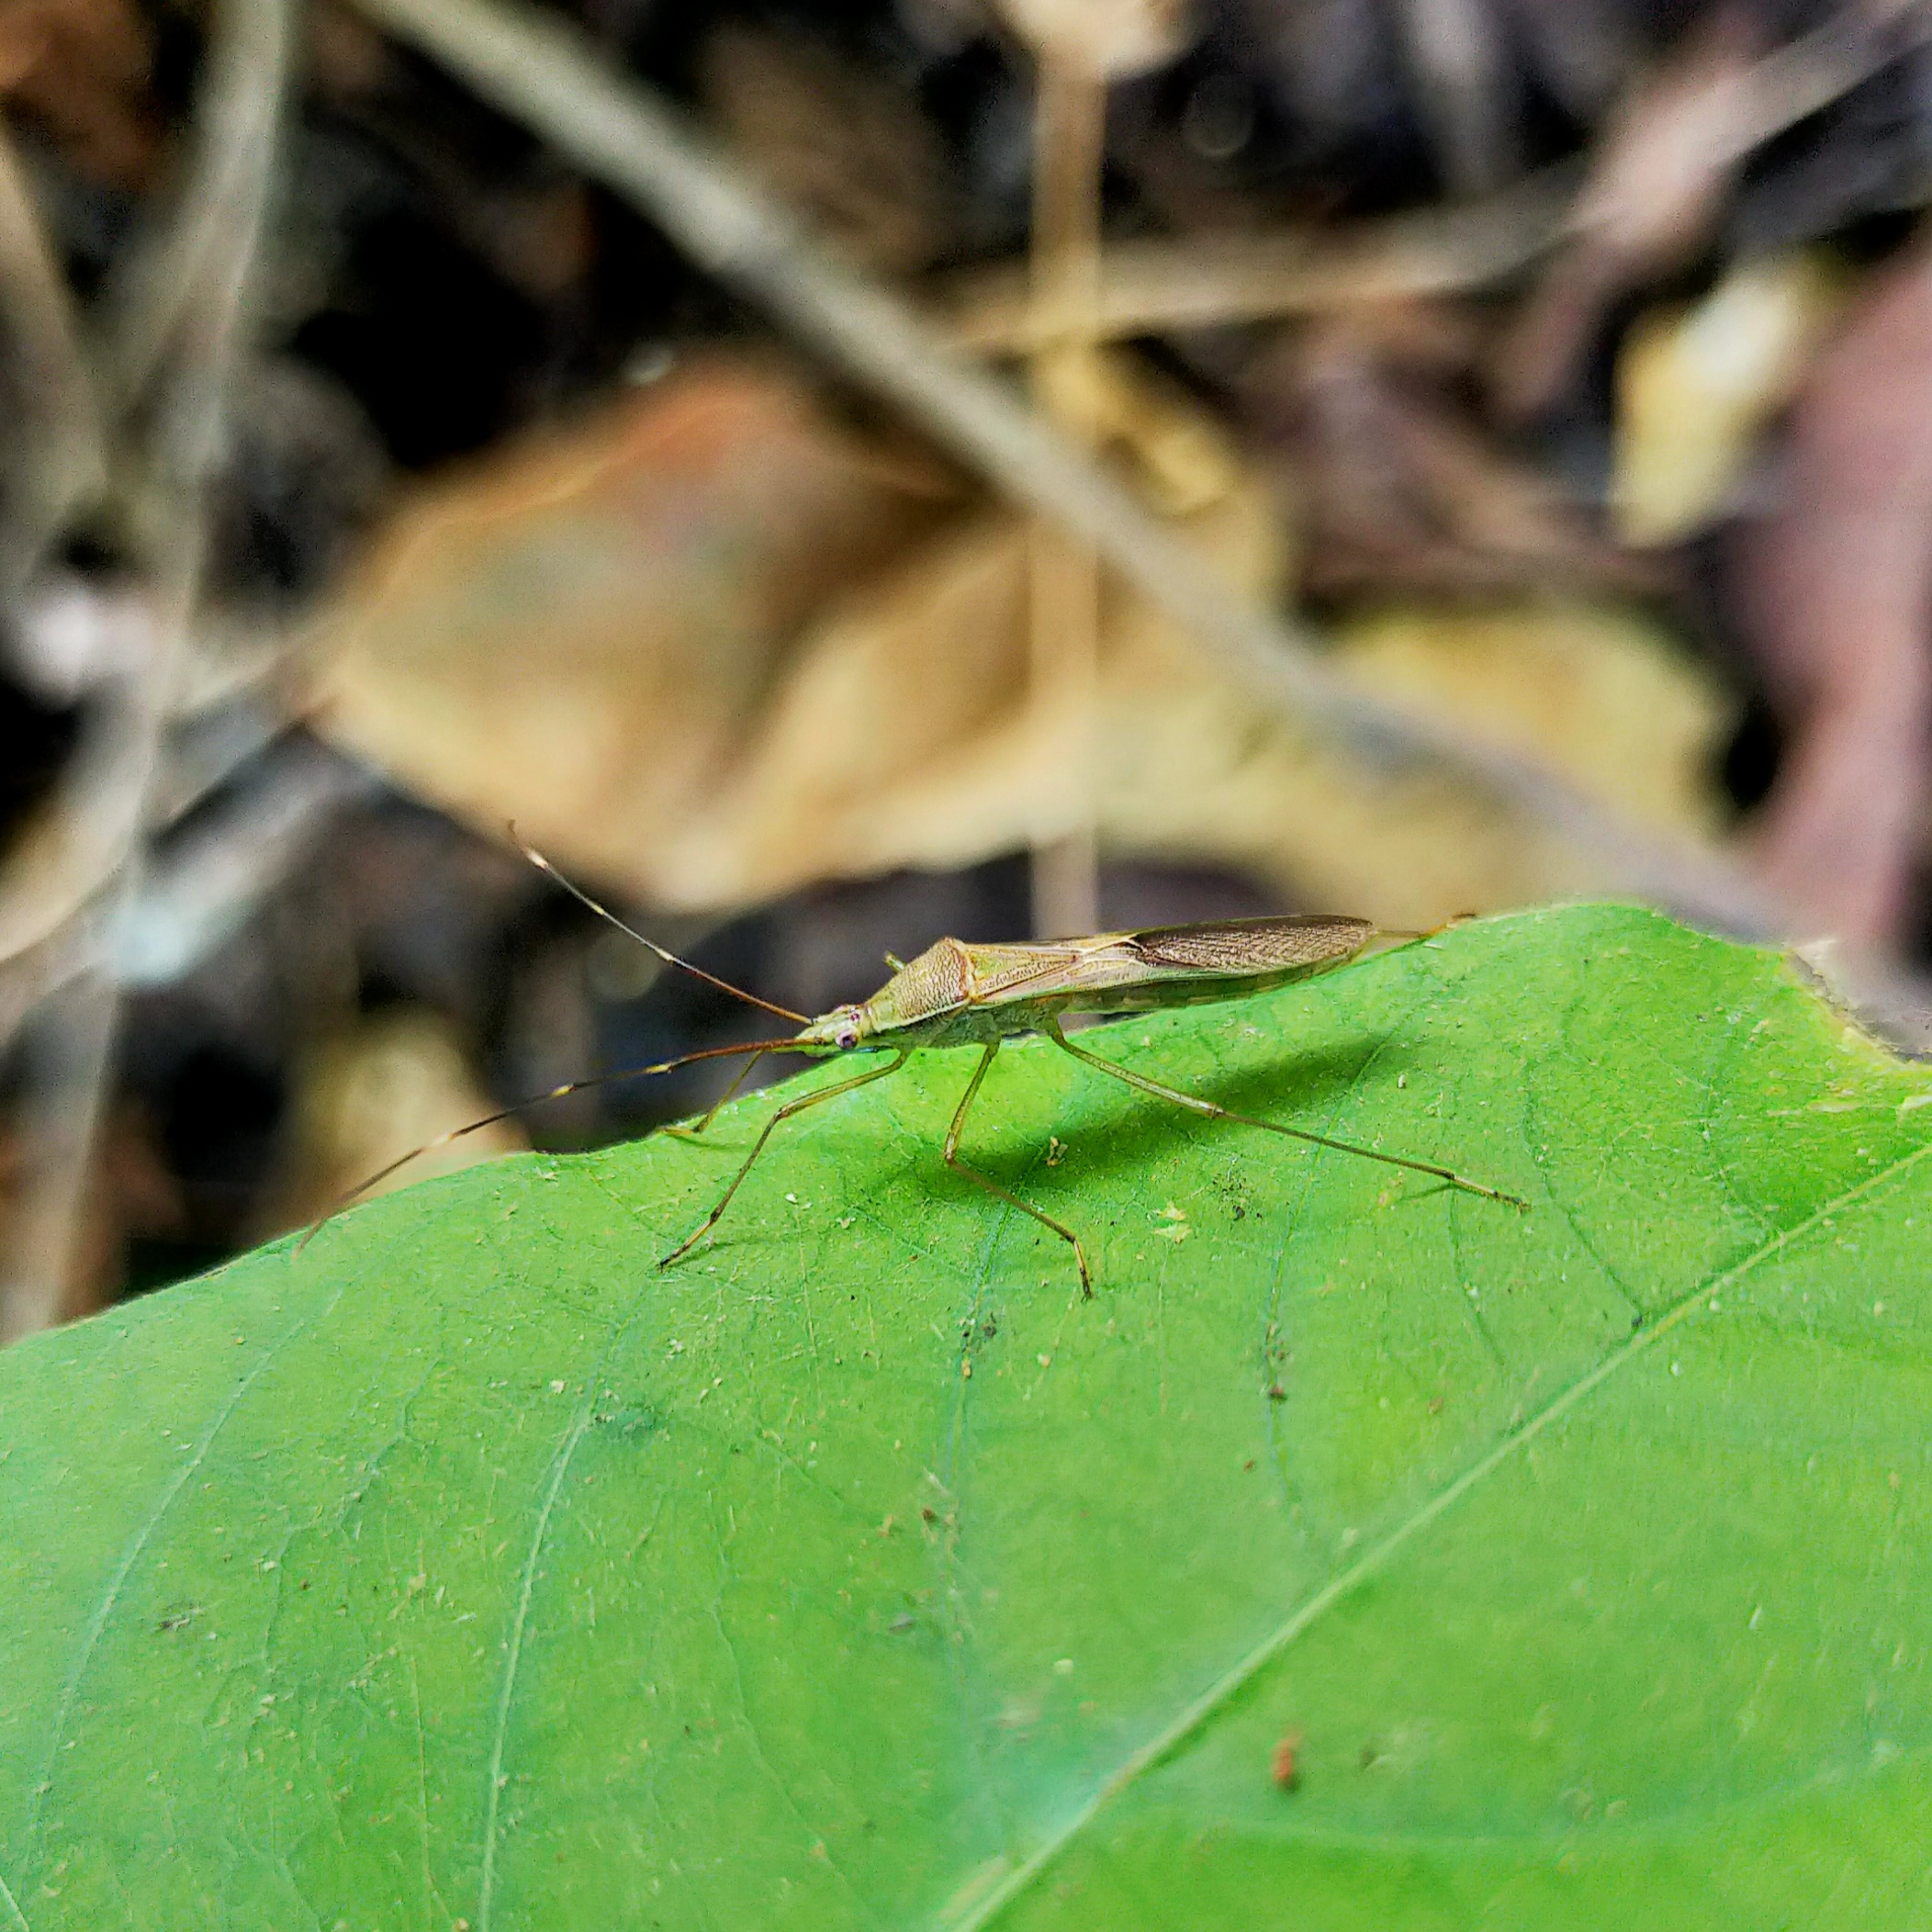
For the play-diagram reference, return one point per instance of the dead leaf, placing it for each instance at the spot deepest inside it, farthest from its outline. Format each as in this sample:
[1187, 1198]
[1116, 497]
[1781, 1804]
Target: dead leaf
[899, 726]
[578, 632]
[906, 734]
[1596, 691]
[1697, 386]
[79, 68]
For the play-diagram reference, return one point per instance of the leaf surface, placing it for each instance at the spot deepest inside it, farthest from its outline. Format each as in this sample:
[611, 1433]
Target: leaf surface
[465, 1569]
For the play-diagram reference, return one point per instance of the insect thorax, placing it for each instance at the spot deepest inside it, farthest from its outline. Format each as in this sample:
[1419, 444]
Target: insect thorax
[935, 983]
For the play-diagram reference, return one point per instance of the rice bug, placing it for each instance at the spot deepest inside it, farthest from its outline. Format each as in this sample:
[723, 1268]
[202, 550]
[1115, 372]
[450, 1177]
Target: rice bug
[955, 994]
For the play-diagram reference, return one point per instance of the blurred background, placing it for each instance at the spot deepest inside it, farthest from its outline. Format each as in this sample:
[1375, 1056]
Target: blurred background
[839, 473]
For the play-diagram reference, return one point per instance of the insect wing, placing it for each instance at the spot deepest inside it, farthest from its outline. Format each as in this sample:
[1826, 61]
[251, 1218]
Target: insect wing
[1242, 949]
[1019, 974]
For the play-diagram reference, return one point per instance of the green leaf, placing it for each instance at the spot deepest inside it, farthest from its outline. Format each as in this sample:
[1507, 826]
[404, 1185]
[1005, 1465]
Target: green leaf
[464, 1568]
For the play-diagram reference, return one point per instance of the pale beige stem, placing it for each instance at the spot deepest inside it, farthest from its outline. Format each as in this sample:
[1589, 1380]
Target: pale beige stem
[1069, 138]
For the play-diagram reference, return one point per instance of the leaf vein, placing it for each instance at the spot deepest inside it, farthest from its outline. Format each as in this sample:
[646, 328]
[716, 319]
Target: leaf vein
[559, 1467]
[1162, 1745]
[519, 1623]
[97, 1622]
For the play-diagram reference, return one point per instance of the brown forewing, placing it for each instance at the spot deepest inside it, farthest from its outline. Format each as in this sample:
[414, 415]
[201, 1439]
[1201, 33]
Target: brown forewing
[1251, 946]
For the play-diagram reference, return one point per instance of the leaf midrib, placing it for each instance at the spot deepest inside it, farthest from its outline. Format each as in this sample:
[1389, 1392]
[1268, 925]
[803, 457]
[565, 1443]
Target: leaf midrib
[1147, 1756]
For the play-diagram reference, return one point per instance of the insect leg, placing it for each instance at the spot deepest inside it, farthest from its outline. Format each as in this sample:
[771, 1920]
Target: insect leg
[951, 1155]
[717, 1105]
[1209, 1108]
[758, 1147]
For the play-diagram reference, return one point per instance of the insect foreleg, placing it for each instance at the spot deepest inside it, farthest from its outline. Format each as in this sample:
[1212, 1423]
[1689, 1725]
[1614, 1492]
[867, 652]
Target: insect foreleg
[1194, 1103]
[684, 1247]
[952, 1156]
[717, 1105]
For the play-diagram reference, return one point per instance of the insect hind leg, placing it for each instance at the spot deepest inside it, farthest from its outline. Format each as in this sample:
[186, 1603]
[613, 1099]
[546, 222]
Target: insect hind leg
[950, 1154]
[1214, 1111]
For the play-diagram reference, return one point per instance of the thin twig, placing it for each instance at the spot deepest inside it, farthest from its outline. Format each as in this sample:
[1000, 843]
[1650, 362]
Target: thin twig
[549, 76]
[1151, 287]
[1209, 281]
[67, 857]
[60, 451]
[1063, 572]
[184, 369]
[185, 283]
[1806, 75]
[1458, 63]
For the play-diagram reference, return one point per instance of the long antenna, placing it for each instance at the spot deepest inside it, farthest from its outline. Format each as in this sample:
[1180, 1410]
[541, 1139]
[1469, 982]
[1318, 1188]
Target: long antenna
[753, 1046]
[670, 958]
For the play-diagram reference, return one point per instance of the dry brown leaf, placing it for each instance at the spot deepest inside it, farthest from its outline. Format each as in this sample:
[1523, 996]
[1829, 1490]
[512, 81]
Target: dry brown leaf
[1835, 591]
[79, 68]
[906, 734]
[1594, 691]
[906, 737]
[1697, 386]
[578, 632]
[899, 729]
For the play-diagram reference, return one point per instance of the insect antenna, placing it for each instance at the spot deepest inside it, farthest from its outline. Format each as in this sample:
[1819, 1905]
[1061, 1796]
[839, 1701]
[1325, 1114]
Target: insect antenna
[670, 958]
[753, 1047]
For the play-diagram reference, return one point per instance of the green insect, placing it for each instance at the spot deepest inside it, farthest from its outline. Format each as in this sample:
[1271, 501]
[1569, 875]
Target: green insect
[955, 994]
